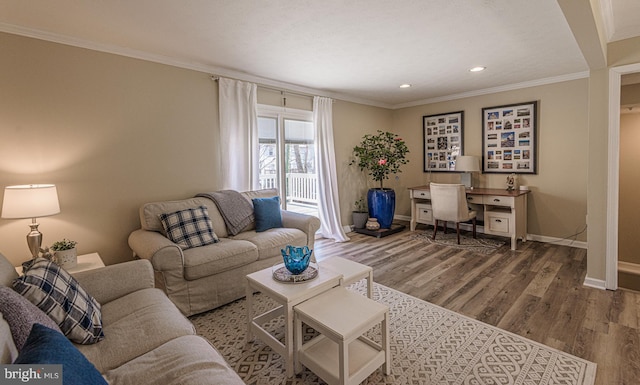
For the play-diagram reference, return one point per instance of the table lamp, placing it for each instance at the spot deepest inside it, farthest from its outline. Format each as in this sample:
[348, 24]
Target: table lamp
[467, 164]
[31, 201]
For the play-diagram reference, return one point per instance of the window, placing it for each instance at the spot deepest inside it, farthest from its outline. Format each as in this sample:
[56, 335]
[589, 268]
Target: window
[287, 157]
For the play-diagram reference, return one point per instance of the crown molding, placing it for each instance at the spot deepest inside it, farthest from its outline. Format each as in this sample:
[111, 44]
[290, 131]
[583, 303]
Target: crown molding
[494, 90]
[226, 72]
[161, 59]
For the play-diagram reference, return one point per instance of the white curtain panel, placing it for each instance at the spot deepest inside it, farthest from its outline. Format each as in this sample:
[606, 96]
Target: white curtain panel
[328, 200]
[238, 135]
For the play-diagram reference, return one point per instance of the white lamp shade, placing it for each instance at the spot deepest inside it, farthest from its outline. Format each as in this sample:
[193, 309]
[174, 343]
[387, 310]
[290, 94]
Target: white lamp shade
[30, 201]
[467, 163]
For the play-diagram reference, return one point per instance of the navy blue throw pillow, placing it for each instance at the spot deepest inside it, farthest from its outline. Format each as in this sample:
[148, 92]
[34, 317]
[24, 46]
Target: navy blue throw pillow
[45, 346]
[267, 213]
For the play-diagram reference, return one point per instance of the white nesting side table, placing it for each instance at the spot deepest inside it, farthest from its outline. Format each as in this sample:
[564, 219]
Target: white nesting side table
[287, 295]
[341, 354]
[351, 271]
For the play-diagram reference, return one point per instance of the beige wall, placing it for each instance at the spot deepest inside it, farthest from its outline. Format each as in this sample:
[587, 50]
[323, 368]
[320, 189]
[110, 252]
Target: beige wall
[109, 131]
[629, 222]
[630, 94]
[623, 52]
[350, 122]
[558, 202]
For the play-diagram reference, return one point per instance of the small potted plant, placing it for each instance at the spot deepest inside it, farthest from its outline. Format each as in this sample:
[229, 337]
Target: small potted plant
[360, 214]
[65, 253]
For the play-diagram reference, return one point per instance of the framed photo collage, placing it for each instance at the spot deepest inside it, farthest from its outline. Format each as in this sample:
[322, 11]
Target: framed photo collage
[509, 138]
[442, 136]
[509, 141]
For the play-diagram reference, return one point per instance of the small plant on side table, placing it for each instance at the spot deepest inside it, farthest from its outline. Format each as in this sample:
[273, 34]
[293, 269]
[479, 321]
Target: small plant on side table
[65, 253]
[62, 245]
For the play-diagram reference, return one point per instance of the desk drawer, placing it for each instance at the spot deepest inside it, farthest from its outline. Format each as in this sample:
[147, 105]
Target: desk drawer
[421, 194]
[424, 213]
[497, 224]
[476, 199]
[497, 200]
[498, 221]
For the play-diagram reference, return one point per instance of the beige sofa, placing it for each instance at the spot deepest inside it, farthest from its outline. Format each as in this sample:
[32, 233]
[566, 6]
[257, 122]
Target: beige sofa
[147, 340]
[205, 277]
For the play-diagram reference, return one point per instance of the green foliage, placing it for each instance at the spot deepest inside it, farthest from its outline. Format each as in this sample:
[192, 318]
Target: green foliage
[361, 206]
[64, 244]
[381, 154]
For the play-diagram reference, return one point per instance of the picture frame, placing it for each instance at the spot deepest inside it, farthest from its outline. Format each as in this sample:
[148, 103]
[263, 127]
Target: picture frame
[509, 138]
[442, 139]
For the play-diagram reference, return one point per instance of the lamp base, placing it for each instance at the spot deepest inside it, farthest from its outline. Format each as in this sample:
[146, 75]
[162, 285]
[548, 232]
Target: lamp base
[465, 179]
[34, 239]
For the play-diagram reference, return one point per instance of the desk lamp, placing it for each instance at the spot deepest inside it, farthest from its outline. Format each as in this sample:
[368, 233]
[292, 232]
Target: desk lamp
[31, 201]
[467, 164]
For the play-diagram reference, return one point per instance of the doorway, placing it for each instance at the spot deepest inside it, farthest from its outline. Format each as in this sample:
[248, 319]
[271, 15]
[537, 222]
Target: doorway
[613, 176]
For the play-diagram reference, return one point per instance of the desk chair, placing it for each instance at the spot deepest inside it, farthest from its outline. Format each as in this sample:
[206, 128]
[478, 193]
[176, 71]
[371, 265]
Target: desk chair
[449, 203]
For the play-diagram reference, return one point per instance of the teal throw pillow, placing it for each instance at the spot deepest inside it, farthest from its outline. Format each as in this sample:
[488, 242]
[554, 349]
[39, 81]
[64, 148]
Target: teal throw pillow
[267, 213]
[46, 346]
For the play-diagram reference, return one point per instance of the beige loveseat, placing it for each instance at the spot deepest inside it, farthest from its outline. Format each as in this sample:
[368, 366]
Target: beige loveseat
[147, 340]
[202, 278]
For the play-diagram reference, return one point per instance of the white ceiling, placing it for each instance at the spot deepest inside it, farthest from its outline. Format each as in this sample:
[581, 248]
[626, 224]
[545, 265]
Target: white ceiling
[359, 50]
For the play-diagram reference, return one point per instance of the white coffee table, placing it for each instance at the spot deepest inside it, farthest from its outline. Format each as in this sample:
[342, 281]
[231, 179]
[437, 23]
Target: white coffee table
[351, 271]
[287, 295]
[341, 354]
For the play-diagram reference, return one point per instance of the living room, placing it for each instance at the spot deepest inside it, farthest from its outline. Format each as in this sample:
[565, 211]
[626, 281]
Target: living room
[104, 127]
[113, 132]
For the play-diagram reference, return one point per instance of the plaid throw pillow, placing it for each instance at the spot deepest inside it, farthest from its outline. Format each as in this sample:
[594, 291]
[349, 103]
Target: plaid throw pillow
[60, 296]
[189, 228]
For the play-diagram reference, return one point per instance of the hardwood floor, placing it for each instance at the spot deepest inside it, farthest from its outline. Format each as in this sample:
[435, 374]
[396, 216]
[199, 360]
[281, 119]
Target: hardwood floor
[536, 292]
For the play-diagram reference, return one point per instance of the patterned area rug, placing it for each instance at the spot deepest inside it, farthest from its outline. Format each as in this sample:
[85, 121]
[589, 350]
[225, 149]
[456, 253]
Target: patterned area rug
[479, 245]
[429, 345]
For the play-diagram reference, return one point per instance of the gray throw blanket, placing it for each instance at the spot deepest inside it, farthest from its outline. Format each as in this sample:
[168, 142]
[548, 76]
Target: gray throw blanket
[235, 209]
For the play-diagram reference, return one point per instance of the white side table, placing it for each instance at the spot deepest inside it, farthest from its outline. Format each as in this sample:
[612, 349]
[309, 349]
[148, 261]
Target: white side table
[351, 271]
[85, 262]
[286, 295]
[341, 354]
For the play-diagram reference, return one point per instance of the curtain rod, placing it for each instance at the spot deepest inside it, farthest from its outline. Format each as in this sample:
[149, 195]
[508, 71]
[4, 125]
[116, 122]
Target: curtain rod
[216, 78]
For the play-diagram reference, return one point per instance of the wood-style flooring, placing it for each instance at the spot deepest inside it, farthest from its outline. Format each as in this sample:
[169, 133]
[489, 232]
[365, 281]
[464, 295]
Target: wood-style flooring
[536, 292]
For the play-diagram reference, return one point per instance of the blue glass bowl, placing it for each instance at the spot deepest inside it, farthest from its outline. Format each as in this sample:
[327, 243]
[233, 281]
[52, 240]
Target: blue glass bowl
[296, 259]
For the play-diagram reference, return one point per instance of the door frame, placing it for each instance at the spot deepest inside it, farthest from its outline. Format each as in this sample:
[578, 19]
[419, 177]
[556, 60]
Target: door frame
[613, 175]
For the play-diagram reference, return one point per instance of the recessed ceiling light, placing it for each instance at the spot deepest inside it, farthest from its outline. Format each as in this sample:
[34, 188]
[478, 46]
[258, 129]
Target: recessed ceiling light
[406, 85]
[477, 69]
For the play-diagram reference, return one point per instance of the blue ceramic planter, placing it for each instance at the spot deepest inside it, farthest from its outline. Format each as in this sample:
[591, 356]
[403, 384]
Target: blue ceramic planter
[296, 259]
[382, 205]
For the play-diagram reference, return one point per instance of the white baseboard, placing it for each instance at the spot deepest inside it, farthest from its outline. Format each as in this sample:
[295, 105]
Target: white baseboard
[595, 283]
[557, 241]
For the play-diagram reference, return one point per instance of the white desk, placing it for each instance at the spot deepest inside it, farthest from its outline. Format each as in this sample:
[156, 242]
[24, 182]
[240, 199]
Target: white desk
[505, 212]
[85, 262]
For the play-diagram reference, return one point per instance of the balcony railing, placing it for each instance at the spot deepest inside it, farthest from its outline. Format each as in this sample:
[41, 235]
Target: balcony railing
[301, 188]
